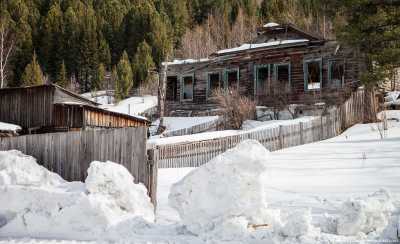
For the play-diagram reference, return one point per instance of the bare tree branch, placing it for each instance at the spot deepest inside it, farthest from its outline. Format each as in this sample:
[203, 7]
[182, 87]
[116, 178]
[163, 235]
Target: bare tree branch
[6, 48]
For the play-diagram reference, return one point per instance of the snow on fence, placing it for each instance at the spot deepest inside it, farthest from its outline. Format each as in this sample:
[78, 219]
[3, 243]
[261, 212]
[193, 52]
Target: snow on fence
[69, 154]
[194, 154]
[203, 127]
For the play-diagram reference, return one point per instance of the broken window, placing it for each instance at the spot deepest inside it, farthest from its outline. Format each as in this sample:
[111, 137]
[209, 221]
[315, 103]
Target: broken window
[313, 74]
[214, 83]
[262, 76]
[187, 88]
[172, 88]
[336, 74]
[232, 79]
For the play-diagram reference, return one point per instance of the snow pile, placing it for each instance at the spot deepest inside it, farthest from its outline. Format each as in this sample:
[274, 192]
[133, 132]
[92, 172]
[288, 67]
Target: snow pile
[38, 203]
[366, 215]
[298, 224]
[19, 169]
[9, 127]
[392, 98]
[228, 190]
[271, 24]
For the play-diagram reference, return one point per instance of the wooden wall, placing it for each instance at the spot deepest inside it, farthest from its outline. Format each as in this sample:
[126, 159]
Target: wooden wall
[28, 108]
[69, 154]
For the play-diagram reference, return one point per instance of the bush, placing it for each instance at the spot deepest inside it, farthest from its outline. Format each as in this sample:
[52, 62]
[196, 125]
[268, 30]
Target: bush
[236, 108]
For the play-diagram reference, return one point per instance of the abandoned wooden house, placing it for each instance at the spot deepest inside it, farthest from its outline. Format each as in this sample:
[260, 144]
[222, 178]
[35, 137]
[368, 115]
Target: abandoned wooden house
[50, 108]
[281, 57]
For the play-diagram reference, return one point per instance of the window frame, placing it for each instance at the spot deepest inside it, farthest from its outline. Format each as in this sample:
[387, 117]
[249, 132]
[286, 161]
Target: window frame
[305, 73]
[256, 76]
[275, 74]
[182, 78]
[226, 71]
[343, 62]
[208, 95]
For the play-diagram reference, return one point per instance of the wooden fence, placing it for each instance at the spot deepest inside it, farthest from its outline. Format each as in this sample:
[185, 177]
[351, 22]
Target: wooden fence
[194, 154]
[203, 127]
[69, 154]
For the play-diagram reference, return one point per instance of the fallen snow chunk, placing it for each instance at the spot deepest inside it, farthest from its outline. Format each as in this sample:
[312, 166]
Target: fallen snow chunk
[298, 224]
[228, 186]
[271, 24]
[114, 181]
[365, 215]
[19, 169]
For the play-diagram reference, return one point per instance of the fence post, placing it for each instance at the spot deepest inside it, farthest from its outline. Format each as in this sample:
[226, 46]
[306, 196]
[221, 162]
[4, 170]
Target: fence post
[322, 128]
[301, 134]
[152, 166]
[281, 136]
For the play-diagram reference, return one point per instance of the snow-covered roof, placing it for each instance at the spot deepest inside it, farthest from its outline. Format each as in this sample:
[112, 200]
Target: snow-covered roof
[186, 61]
[9, 127]
[248, 46]
[271, 24]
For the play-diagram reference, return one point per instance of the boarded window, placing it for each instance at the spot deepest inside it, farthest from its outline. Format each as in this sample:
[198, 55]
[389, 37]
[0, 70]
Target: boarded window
[172, 88]
[187, 88]
[336, 74]
[232, 78]
[262, 76]
[214, 83]
[313, 74]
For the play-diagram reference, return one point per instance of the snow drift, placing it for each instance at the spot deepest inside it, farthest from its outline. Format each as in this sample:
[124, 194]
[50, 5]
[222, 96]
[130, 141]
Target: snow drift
[228, 190]
[38, 203]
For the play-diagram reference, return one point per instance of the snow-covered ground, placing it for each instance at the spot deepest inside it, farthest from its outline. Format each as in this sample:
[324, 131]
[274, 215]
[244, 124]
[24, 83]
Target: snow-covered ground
[9, 127]
[248, 126]
[342, 190]
[133, 105]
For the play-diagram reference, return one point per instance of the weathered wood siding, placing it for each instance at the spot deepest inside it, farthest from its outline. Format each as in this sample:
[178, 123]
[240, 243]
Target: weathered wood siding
[248, 60]
[29, 108]
[69, 154]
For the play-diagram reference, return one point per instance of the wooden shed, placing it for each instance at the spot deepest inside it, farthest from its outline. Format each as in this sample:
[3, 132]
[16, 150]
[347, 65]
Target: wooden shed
[281, 55]
[49, 108]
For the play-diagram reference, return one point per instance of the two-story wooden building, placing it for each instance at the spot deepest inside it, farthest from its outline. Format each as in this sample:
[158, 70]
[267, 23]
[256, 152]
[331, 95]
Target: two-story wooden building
[308, 65]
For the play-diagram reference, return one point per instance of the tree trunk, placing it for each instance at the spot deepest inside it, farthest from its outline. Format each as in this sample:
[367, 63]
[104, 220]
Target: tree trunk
[370, 106]
[162, 86]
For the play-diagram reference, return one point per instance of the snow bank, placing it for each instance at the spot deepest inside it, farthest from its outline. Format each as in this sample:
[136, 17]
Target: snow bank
[228, 190]
[365, 215]
[38, 203]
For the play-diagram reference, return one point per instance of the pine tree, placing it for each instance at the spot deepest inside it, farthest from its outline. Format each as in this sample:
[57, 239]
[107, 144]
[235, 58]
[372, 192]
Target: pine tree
[33, 74]
[124, 81]
[142, 63]
[62, 77]
[98, 81]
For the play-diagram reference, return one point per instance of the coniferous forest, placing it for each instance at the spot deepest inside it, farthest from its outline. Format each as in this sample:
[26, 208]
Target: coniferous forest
[83, 41]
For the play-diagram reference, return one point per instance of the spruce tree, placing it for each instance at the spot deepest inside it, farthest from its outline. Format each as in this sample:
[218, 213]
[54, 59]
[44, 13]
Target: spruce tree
[33, 74]
[62, 77]
[142, 63]
[98, 81]
[124, 81]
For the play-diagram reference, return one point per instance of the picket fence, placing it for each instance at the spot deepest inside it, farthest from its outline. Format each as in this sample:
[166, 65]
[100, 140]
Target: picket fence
[194, 154]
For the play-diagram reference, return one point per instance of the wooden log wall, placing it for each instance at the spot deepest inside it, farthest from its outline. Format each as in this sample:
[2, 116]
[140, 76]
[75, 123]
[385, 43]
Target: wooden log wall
[69, 154]
[197, 153]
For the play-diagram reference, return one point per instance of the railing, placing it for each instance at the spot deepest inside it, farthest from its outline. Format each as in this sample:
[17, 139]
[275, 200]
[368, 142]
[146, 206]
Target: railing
[194, 154]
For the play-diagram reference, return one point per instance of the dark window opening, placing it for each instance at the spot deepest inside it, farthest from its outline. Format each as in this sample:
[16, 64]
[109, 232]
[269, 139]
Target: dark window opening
[336, 74]
[172, 88]
[214, 83]
[262, 80]
[283, 74]
[313, 75]
[232, 78]
[187, 88]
